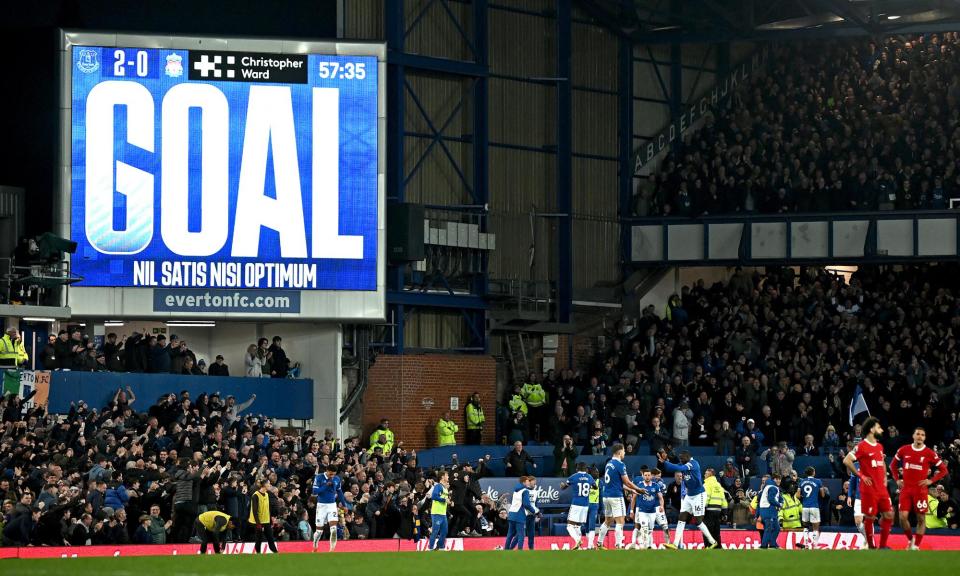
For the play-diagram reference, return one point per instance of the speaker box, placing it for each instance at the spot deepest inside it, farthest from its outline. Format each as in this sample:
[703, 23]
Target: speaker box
[404, 232]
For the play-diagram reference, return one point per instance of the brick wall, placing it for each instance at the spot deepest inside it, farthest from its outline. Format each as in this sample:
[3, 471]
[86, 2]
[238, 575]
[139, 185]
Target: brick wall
[584, 352]
[414, 391]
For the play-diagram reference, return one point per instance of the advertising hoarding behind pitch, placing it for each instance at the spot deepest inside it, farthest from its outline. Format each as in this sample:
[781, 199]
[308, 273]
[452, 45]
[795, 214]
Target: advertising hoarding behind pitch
[228, 168]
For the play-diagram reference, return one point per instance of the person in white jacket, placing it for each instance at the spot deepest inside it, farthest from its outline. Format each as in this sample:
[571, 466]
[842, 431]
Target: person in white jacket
[253, 363]
[682, 417]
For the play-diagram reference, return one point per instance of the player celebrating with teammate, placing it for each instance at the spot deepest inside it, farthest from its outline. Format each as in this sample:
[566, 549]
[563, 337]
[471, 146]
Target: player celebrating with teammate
[582, 483]
[645, 508]
[661, 515]
[328, 490]
[615, 481]
[694, 501]
[874, 497]
[916, 460]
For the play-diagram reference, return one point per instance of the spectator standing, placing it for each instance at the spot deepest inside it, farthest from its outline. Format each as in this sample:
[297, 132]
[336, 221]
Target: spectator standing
[263, 352]
[62, 352]
[725, 438]
[473, 416]
[780, 459]
[176, 352]
[658, 436]
[232, 410]
[279, 363]
[831, 442]
[158, 527]
[747, 457]
[160, 355]
[112, 353]
[48, 357]
[218, 368]
[565, 457]
[681, 425]
[518, 460]
[134, 357]
[252, 362]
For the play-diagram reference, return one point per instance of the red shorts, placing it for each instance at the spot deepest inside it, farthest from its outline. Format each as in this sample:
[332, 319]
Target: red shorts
[873, 503]
[912, 500]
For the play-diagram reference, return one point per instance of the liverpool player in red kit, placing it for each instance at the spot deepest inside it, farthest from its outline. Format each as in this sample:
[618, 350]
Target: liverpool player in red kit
[874, 497]
[916, 461]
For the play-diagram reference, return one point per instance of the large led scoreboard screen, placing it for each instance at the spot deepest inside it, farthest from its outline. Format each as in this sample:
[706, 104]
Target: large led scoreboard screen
[224, 168]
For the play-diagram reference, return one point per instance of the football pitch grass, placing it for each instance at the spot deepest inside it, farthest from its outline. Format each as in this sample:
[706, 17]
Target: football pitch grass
[502, 563]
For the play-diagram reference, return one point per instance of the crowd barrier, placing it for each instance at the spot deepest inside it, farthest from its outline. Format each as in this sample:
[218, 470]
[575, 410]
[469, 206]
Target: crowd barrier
[276, 398]
[732, 539]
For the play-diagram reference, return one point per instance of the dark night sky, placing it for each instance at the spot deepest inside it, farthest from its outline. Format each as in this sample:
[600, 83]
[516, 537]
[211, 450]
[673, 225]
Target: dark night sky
[28, 86]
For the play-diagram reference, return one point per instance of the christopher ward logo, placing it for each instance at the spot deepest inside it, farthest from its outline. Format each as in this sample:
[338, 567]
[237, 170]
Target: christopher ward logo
[248, 67]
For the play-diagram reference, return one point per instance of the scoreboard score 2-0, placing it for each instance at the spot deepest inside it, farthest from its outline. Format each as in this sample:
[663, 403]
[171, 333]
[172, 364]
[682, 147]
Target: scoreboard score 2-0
[225, 164]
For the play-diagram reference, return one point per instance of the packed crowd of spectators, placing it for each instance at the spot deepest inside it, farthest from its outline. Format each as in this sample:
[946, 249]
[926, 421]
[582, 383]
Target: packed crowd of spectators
[841, 125]
[71, 350]
[125, 474]
[762, 368]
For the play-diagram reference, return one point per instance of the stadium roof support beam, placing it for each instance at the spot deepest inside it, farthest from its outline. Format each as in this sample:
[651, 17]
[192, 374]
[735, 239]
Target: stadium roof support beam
[471, 174]
[850, 13]
[564, 173]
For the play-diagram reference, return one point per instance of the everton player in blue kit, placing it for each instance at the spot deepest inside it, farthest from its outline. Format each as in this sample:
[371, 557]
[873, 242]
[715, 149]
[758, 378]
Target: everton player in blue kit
[661, 512]
[810, 512]
[328, 490]
[694, 501]
[582, 483]
[615, 481]
[645, 507]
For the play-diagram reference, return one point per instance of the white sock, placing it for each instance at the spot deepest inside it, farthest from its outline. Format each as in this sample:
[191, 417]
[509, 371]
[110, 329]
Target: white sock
[805, 538]
[603, 533]
[618, 533]
[636, 534]
[574, 532]
[678, 533]
[814, 538]
[590, 535]
[706, 532]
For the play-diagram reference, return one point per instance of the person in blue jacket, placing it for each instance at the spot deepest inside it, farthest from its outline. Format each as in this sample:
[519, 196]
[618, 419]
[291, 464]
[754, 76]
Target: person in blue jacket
[521, 506]
[116, 496]
[769, 504]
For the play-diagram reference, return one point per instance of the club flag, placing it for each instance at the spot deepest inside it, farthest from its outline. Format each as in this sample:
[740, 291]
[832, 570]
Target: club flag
[857, 404]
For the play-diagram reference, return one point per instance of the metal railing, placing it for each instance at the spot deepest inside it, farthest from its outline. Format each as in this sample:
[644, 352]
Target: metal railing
[521, 296]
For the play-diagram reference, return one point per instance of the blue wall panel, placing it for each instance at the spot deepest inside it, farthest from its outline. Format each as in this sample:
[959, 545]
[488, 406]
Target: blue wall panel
[275, 398]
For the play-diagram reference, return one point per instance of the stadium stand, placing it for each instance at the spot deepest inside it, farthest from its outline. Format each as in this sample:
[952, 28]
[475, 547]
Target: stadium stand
[834, 126]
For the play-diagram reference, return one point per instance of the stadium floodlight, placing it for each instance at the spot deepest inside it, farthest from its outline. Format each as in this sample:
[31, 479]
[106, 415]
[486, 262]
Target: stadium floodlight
[893, 16]
[32, 319]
